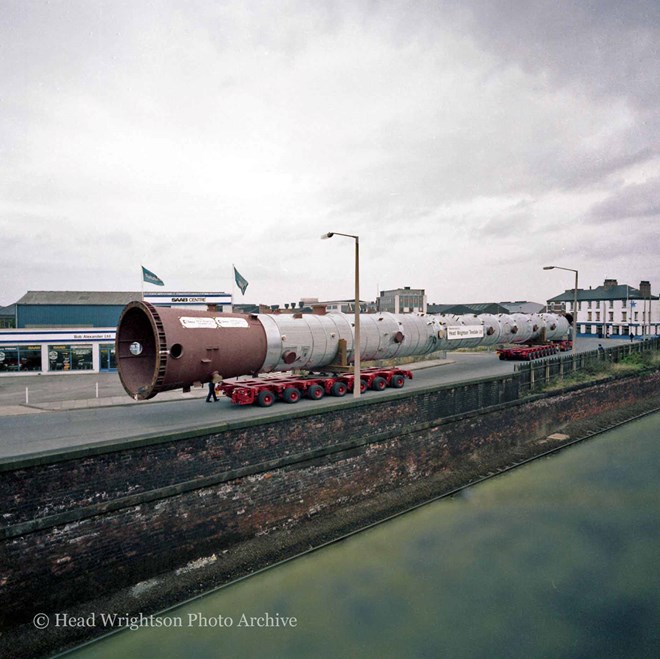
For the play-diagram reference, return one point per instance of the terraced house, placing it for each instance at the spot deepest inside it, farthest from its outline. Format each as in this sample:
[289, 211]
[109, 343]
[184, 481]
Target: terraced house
[613, 309]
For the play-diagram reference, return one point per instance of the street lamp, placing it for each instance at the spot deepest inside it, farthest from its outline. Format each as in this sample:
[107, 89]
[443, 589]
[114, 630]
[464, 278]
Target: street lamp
[357, 382]
[575, 308]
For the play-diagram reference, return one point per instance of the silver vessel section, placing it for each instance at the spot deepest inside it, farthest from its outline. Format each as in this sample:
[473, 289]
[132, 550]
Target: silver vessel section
[306, 342]
[312, 341]
[556, 326]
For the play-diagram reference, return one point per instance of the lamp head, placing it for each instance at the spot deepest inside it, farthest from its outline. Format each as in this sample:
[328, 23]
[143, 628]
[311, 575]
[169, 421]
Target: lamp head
[548, 267]
[327, 235]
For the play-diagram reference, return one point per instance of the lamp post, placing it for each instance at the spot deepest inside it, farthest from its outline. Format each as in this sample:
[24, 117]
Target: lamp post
[357, 382]
[575, 308]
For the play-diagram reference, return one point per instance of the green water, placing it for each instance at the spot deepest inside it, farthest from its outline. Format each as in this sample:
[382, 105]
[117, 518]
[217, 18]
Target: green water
[556, 559]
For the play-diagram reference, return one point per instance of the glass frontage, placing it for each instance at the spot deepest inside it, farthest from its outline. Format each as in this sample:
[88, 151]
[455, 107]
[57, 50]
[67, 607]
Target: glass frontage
[69, 358]
[108, 361]
[20, 358]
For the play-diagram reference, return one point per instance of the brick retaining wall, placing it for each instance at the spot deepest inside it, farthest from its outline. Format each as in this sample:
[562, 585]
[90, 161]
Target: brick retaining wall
[80, 528]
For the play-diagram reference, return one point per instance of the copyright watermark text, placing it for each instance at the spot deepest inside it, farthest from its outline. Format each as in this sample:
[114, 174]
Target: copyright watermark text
[139, 620]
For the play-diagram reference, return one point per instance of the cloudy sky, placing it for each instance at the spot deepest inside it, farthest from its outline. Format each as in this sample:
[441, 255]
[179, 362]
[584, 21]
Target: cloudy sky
[467, 142]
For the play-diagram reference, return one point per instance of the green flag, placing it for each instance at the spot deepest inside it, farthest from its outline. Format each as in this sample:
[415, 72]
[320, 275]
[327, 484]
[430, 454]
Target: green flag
[241, 282]
[151, 278]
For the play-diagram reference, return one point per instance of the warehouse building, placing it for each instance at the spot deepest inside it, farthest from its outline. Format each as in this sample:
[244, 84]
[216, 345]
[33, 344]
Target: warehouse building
[74, 331]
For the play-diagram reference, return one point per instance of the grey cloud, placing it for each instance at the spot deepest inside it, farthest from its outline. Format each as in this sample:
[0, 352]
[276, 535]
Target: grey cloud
[638, 201]
[608, 47]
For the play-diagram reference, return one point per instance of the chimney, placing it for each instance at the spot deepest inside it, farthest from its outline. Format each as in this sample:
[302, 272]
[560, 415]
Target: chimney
[610, 282]
[645, 289]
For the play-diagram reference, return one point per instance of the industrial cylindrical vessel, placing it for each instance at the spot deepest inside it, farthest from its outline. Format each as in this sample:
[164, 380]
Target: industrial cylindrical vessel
[164, 348]
[159, 349]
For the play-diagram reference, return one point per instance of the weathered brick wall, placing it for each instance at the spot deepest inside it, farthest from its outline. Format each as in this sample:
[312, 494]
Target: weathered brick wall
[386, 445]
[52, 487]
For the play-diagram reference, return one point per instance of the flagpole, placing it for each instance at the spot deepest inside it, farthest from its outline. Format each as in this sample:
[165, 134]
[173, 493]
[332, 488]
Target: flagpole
[233, 286]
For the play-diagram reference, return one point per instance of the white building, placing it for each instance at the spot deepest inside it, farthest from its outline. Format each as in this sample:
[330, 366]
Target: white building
[613, 309]
[402, 300]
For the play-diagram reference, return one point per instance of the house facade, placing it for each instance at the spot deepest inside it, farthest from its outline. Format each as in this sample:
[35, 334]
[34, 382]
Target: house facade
[612, 309]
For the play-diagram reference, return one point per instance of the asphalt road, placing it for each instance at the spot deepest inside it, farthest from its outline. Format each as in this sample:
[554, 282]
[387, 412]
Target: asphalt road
[25, 434]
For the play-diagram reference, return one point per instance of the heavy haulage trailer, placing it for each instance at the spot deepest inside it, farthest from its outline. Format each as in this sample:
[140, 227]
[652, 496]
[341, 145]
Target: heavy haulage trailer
[160, 348]
[533, 351]
[264, 391]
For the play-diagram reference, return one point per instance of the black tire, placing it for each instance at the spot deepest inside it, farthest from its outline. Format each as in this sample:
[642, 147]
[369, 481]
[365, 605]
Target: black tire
[339, 389]
[265, 398]
[291, 395]
[397, 381]
[378, 383]
[363, 386]
[315, 392]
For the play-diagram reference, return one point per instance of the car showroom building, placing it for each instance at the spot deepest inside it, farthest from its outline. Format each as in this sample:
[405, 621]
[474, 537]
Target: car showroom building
[74, 331]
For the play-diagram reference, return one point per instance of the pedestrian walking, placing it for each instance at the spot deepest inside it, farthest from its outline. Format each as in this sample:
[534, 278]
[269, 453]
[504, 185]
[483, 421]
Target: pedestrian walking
[216, 378]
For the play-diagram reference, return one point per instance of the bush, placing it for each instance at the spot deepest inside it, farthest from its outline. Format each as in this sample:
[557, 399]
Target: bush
[633, 359]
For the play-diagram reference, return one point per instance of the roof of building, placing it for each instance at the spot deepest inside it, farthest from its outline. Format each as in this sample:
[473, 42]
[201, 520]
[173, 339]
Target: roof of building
[80, 297]
[461, 309]
[9, 311]
[614, 292]
[522, 306]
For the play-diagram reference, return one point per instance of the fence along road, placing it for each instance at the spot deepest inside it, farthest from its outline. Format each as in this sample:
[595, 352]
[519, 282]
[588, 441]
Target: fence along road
[534, 375]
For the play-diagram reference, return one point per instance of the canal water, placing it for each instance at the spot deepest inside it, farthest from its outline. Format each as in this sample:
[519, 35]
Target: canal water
[559, 558]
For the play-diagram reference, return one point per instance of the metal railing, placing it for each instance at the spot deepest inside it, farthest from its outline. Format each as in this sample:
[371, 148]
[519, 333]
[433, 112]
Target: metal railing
[541, 372]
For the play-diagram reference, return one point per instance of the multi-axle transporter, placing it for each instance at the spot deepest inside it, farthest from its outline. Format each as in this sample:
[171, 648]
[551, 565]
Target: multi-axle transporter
[159, 349]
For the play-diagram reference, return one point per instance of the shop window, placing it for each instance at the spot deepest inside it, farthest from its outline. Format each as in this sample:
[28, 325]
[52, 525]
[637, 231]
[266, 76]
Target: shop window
[69, 358]
[8, 359]
[20, 359]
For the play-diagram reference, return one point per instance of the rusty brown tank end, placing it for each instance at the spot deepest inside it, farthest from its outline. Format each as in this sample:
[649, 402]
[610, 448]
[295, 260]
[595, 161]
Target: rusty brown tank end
[159, 349]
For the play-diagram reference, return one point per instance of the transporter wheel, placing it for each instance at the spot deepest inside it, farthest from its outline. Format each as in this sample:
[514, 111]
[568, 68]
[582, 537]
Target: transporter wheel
[363, 386]
[397, 381]
[291, 395]
[315, 392]
[339, 389]
[378, 383]
[265, 398]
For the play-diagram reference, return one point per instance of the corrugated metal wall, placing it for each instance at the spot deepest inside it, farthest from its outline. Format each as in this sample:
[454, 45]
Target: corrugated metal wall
[78, 315]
